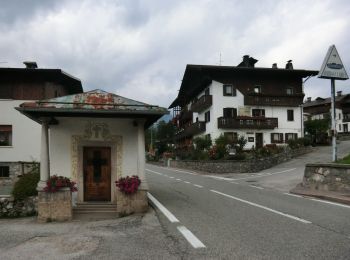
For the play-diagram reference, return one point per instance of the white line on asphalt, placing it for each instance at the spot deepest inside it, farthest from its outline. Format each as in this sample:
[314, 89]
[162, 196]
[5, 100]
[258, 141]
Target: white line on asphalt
[332, 203]
[178, 179]
[192, 239]
[293, 195]
[159, 173]
[262, 207]
[198, 186]
[220, 178]
[187, 182]
[163, 209]
[171, 177]
[192, 173]
[265, 174]
[234, 182]
[256, 187]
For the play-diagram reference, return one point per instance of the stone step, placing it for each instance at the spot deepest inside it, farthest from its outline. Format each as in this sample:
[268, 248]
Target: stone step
[95, 210]
[95, 216]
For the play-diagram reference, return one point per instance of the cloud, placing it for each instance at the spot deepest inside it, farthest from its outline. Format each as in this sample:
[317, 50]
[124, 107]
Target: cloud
[139, 49]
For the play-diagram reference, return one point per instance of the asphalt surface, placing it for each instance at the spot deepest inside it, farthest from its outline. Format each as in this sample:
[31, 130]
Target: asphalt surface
[251, 216]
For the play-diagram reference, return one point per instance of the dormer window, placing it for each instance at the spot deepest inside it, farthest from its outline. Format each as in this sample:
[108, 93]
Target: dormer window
[257, 89]
[229, 90]
[289, 91]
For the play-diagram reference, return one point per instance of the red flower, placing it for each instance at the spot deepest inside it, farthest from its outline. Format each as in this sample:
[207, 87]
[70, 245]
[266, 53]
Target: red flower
[128, 185]
[56, 183]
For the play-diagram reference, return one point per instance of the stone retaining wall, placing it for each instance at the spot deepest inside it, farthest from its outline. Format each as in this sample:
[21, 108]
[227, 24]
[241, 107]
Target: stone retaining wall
[232, 166]
[133, 203]
[9, 208]
[327, 177]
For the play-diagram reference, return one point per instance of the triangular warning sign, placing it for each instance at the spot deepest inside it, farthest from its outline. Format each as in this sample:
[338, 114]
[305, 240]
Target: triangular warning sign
[332, 67]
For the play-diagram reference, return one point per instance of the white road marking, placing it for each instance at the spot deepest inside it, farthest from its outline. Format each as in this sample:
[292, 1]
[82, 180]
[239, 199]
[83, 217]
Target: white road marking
[192, 239]
[265, 174]
[192, 173]
[220, 178]
[187, 182]
[159, 173]
[332, 203]
[293, 195]
[262, 207]
[171, 177]
[178, 179]
[234, 182]
[163, 209]
[256, 187]
[198, 186]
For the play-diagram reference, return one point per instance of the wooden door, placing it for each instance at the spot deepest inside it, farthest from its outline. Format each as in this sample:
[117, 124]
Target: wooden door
[259, 140]
[97, 173]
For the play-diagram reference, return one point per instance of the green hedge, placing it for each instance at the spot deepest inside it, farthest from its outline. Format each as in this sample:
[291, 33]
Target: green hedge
[26, 185]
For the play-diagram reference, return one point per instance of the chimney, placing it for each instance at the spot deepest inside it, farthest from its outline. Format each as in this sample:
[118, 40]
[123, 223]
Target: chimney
[339, 93]
[308, 99]
[289, 65]
[248, 62]
[30, 64]
[274, 66]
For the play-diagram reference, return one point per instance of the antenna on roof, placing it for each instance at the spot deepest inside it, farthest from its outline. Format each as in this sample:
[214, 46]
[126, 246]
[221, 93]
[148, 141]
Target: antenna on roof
[220, 59]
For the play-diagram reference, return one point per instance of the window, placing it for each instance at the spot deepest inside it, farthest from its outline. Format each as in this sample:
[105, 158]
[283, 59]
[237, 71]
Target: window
[289, 91]
[207, 116]
[5, 135]
[291, 136]
[339, 127]
[4, 171]
[258, 112]
[231, 136]
[230, 112]
[339, 116]
[276, 138]
[206, 92]
[229, 90]
[257, 89]
[290, 115]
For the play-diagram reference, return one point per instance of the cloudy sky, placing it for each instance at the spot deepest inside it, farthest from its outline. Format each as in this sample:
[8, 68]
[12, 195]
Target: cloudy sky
[139, 49]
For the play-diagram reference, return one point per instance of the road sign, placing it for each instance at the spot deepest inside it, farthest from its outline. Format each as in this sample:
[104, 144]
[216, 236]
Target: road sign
[332, 67]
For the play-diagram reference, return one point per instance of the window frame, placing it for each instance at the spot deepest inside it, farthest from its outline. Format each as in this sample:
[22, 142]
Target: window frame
[207, 116]
[258, 88]
[279, 140]
[233, 112]
[290, 115]
[2, 167]
[294, 136]
[261, 112]
[6, 135]
[291, 91]
[233, 90]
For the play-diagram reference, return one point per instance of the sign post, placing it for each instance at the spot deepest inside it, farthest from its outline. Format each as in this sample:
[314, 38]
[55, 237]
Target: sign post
[333, 68]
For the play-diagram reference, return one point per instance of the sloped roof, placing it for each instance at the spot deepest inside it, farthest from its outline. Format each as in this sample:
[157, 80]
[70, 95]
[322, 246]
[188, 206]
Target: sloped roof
[95, 103]
[322, 101]
[197, 77]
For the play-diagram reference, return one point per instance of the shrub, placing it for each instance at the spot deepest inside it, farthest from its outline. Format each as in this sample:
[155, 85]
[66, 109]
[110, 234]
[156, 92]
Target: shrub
[202, 143]
[26, 185]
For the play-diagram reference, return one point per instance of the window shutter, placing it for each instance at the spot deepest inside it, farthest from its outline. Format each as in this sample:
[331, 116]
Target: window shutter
[272, 140]
[281, 138]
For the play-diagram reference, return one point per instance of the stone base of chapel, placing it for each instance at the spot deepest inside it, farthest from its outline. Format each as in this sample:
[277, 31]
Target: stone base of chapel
[134, 203]
[55, 206]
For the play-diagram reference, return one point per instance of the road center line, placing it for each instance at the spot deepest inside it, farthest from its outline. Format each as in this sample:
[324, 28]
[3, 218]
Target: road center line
[163, 209]
[178, 179]
[187, 182]
[262, 207]
[192, 239]
[192, 173]
[198, 186]
[256, 187]
[171, 177]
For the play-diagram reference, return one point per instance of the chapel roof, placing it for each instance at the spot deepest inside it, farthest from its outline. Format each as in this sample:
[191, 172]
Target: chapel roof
[94, 103]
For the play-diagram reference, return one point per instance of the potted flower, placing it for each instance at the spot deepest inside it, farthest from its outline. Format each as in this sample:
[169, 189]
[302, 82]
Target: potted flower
[56, 183]
[128, 185]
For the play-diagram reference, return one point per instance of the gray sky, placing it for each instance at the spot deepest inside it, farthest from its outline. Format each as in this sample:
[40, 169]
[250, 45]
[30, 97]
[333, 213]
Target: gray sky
[139, 49]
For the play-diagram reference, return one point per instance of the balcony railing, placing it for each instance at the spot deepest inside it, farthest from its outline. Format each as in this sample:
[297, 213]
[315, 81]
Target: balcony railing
[247, 122]
[185, 116]
[191, 130]
[202, 103]
[262, 100]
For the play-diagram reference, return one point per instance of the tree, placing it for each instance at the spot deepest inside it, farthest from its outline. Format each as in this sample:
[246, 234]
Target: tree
[318, 129]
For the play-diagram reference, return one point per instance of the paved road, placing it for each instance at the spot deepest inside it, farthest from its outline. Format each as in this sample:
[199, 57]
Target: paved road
[250, 217]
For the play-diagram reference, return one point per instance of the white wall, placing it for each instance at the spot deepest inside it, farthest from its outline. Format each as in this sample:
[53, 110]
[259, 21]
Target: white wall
[61, 142]
[25, 134]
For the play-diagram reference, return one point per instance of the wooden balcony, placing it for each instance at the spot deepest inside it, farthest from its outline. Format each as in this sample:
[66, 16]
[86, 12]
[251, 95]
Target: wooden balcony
[185, 116]
[191, 130]
[263, 100]
[202, 103]
[244, 122]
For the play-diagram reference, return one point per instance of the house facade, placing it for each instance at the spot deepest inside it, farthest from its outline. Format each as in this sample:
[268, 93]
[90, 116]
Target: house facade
[320, 108]
[19, 135]
[262, 104]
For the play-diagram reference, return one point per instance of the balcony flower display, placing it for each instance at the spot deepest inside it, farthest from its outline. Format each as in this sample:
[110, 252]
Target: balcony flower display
[128, 185]
[56, 183]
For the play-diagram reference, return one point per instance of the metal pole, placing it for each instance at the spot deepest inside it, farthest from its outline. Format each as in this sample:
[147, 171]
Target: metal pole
[334, 126]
